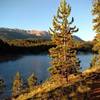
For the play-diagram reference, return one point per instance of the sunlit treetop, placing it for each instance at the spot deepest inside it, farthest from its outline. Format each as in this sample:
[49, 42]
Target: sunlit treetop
[60, 21]
[96, 13]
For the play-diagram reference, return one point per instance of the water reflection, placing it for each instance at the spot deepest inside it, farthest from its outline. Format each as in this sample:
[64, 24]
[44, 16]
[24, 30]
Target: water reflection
[6, 58]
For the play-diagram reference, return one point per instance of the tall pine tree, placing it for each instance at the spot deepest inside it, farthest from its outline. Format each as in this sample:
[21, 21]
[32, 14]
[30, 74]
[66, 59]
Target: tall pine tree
[64, 60]
[96, 21]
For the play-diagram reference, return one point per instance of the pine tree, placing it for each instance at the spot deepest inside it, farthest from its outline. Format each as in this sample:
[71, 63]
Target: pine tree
[17, 85]
[32, 80]
[96, 13]
[96, 20]
[64, 60]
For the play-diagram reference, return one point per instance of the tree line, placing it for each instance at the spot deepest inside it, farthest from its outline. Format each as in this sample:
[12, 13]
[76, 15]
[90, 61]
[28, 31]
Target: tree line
[20, 46]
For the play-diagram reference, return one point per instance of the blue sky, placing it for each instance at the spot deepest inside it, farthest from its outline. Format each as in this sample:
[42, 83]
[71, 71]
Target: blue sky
[38, 14]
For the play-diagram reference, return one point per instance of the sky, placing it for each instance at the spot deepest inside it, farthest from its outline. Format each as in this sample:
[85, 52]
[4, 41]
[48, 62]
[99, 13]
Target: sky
[38, 15]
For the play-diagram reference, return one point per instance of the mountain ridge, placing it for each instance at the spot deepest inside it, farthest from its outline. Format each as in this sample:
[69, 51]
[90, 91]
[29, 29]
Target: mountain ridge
[8, 33]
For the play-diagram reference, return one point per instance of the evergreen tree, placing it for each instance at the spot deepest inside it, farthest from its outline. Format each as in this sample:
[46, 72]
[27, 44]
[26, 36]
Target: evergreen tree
[96, 13]
[32, 80]
[17, 85]
[64, 60]
[96, 20]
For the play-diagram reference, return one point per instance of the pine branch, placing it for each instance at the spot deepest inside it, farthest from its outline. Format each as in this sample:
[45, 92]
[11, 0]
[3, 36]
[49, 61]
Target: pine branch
[71, 21]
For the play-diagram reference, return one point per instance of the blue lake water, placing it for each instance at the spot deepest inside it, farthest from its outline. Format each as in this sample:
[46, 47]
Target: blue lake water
[27, 64]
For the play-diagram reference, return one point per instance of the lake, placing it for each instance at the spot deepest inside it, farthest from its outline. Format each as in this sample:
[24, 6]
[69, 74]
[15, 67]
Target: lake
[27, 64]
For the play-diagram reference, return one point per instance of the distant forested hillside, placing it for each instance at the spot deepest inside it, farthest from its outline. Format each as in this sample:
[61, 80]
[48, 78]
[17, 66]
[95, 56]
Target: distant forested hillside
[6, 33]
[9, 34]
[32, 41]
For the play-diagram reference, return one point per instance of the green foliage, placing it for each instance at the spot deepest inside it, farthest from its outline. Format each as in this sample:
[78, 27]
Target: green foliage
[96, 61]
[17, 85]
[96, 13]
[32, 81]
[63, 56]
[96, 43]
[96, 20]
[27, 43]
[24, 46]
